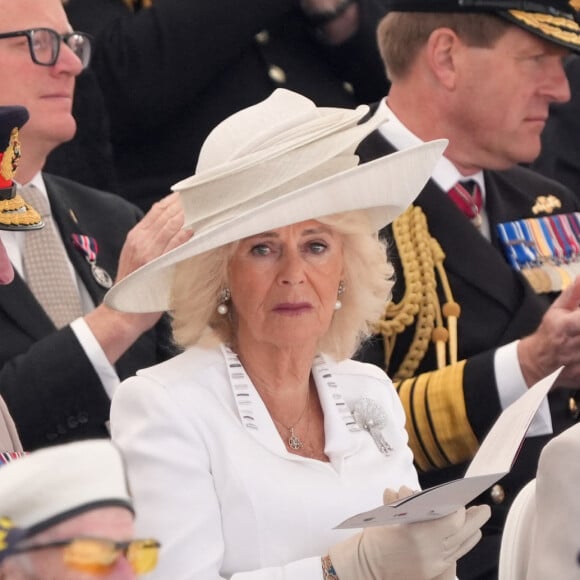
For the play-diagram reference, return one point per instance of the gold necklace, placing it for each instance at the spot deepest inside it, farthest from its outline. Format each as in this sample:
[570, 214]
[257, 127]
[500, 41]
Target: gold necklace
[294, 442]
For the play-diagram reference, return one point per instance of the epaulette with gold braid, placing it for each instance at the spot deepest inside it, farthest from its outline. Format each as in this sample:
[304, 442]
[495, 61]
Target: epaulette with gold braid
[422, 262]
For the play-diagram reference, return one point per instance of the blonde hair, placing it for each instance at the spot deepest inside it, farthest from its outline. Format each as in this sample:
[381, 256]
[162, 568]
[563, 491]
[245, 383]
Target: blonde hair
[401, 35]
[198, 283]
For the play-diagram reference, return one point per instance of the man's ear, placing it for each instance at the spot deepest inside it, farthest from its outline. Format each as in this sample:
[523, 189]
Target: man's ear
[442, 50]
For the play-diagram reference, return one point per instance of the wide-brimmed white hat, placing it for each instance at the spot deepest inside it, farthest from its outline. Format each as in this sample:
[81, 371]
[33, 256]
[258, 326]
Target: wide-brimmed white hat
[280, 162]
[51, 485]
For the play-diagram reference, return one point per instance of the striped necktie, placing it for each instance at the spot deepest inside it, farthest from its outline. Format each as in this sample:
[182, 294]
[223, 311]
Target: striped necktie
[46, 266]
[467, 197]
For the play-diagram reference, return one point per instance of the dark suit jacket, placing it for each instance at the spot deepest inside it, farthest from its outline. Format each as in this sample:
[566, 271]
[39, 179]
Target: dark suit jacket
[171, 73]
[48, 383]
[497, 307]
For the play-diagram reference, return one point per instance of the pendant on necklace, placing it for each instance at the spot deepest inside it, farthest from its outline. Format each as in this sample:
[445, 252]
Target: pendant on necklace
[293, 441]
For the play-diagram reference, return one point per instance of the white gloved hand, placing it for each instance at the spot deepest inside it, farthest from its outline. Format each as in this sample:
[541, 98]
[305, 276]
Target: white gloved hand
[390, 496]
[418, 551]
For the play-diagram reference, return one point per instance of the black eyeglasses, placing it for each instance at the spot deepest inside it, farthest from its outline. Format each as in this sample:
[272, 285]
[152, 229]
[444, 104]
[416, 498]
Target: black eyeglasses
[44, 44]
[97, 556]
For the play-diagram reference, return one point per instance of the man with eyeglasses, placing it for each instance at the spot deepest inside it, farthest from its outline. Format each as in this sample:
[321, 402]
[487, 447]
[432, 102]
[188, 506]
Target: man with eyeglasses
[44, 44]
[61, 357]
[66, 514]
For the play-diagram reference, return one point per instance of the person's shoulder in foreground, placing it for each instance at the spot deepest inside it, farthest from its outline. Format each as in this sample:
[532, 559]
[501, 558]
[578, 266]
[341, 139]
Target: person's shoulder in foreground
[554, 545]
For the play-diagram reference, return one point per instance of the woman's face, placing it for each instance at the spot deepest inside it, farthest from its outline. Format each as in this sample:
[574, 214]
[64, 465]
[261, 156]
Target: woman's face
[284, 284]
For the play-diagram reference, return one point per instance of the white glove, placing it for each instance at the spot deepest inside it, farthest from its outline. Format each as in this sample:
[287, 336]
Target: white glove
[418, 551]
[390, 496]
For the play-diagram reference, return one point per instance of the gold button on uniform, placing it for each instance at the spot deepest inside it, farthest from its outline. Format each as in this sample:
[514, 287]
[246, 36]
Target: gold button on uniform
[263, 37]
[348, 87]
[573, 408]
[497, 494]
[277, 74]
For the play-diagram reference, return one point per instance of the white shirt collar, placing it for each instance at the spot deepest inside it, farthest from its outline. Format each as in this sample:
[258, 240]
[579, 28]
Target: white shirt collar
[37, 181]
[445, 174]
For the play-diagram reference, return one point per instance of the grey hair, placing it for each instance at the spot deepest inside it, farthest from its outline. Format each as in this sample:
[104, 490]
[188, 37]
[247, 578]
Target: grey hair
[368, 279]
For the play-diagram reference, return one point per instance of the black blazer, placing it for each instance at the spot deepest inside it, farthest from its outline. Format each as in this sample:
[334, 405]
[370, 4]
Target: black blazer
[497, 307]
[48, 383]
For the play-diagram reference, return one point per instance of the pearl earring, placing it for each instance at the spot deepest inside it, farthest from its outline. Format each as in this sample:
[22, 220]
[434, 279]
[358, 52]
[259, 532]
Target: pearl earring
[340, 292]
[224, 298]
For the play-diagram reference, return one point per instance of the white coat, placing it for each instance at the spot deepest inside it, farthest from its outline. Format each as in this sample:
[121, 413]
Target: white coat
[213, 481]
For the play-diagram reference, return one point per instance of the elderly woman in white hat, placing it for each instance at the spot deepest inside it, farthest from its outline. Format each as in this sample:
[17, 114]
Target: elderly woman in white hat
[245, 451]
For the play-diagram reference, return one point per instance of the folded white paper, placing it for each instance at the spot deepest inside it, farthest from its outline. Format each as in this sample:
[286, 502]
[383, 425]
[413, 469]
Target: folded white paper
[493, 460]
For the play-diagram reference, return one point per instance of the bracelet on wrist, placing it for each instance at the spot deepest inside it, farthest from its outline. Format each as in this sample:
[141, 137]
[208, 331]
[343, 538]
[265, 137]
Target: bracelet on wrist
[328, 571]
[318, 19]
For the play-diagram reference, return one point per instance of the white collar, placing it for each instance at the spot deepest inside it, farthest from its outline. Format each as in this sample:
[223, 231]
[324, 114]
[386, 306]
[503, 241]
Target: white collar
[339, 423]
[445, 174]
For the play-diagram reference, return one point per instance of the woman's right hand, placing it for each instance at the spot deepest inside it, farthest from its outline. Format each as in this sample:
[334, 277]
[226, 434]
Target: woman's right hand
[422, 550]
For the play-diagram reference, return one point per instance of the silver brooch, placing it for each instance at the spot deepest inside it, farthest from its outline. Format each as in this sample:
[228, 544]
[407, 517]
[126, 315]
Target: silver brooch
[370, 417]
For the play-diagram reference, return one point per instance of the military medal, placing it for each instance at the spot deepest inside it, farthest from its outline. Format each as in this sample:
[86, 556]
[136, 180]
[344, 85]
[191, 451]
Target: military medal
[546, 250]
[101, 276]
[469, 199]
[476, 220]
[89, 248]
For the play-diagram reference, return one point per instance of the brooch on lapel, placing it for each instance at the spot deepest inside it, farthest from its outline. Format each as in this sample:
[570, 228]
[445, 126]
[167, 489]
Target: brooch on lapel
[370, 417]
[546, 204]
[89, 248]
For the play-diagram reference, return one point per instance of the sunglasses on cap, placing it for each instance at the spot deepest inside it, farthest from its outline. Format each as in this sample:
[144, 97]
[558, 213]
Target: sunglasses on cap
[98, 556]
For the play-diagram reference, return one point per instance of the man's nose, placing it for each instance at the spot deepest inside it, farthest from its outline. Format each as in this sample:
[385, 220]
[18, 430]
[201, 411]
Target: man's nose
[557, 86]
[122, 571]
[68, 60]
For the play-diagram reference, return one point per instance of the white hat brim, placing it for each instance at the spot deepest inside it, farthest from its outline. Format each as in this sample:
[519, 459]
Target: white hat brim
[384, 187]
[49, 485]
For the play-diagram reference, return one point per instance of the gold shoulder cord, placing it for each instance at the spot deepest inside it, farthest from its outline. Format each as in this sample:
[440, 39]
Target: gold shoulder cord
[422, 260]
